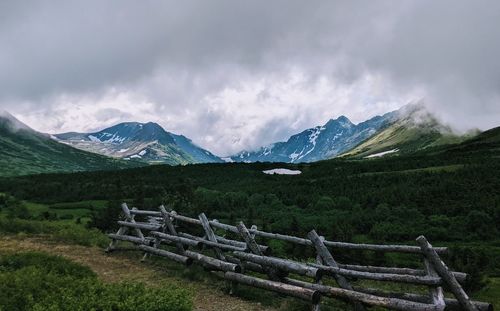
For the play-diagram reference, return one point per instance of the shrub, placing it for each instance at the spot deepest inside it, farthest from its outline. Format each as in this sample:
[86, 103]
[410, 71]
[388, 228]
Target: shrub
[48, 263]
[472, 260]
[18, 210]
[37, 281]
[66, 232]
[105, 218]
[78, 235]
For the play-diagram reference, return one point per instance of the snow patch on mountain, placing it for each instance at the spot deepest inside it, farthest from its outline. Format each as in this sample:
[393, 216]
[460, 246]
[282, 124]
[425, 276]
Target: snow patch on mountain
[381, 154]
[317, 143]
[282, 171]
[146, 141]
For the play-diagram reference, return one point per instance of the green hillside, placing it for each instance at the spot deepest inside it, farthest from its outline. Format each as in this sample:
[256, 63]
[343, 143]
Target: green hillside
[24, 151]
[413, 132]
[488, 141]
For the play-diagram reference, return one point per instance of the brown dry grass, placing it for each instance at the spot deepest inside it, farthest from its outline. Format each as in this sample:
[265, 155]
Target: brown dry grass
[119, 267]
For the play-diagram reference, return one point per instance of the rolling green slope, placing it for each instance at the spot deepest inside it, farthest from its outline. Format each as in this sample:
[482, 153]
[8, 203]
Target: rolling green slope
[413, 131]
[24, 151]
[486, 144]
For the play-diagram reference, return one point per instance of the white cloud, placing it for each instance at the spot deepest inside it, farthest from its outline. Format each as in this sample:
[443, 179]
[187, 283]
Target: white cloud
[233, 76]
[244, 115]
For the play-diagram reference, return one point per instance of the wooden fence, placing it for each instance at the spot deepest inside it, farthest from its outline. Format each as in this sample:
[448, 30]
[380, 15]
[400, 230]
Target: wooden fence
[157, 234]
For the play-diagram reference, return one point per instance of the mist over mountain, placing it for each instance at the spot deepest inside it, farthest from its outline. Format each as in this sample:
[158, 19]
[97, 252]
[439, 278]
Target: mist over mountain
[409, 129]
[26, 151]
[413, 129]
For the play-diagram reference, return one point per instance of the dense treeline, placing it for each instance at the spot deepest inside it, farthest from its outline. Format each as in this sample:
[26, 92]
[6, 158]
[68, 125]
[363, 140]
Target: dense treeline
[448, 197]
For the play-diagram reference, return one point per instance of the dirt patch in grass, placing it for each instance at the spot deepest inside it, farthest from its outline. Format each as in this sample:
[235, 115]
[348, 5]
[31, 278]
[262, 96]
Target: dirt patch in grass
[122, 266]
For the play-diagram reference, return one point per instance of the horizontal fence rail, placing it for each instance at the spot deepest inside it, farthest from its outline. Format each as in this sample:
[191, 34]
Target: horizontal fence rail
[156, 234]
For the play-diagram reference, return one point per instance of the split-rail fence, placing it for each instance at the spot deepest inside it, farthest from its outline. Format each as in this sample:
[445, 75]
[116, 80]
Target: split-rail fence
[240, 260]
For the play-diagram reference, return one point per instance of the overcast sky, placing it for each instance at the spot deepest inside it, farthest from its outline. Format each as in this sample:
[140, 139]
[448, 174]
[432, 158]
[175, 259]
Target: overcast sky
[235, 75]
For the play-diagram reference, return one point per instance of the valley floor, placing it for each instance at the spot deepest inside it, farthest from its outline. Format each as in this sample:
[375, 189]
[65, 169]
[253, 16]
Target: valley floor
[119, 267]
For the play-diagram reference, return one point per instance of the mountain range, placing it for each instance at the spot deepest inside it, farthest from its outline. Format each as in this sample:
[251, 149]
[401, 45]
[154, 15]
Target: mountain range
[130, 144]
[318, 143]
[147, 142]
[409, 129]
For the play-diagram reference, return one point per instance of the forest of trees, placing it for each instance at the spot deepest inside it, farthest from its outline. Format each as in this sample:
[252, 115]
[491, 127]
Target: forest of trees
[446, 197]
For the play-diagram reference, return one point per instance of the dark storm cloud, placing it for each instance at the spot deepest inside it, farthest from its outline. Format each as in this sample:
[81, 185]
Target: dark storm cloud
[60, 46]
[182, 57]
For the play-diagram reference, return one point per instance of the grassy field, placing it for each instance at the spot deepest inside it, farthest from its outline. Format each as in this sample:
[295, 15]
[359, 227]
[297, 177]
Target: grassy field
[64, 231]
[67, 210]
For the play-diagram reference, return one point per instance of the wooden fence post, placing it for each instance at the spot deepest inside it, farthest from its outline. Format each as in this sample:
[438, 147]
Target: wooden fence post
[327, 258]
[210, 235]
[319, 261]
[443, 271]
[123, 229]
[436, 293]
[254, 248]
[171, 228]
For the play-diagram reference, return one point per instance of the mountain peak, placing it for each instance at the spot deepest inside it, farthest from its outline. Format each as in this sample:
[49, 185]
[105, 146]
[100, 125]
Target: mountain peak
[148, 141]
[342, 120]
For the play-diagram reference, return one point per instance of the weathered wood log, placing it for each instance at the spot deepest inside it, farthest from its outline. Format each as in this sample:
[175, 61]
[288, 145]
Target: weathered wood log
[263, 248]
[301, 241]
[172, 256]
[388, 277]
[138, 225]
[213, 263]
[131, 218]
[327, 259]
[211, 244]
[211, 240]
[382, 248]
[210, 235]
[318, 280]
[177, 239]
[436, 293]
[154, 221]
[129, 238]
[123, 229]
[281, 264]
[282, 288]
[221, 246]
[185, 219]
[169, 226]
[146, 213]
[246, 265]
[450, 303]
[127, 211]
[443, 271]
[249, 240]
[350, 295]
[372, 247]
[254, 248]
[460, 276]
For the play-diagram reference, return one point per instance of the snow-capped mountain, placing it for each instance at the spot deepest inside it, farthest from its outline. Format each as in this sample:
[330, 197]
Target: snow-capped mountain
[318, 143]
[143, 141]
